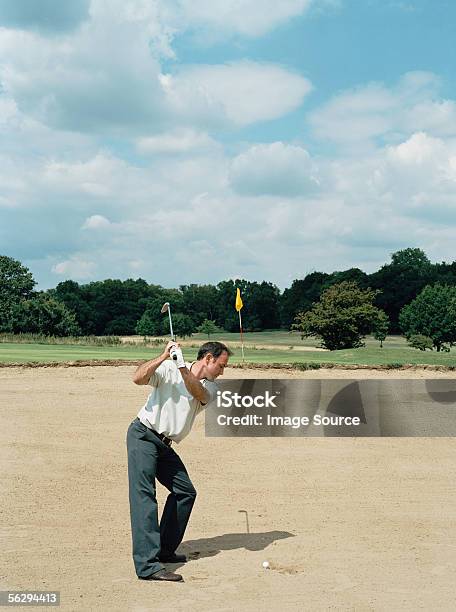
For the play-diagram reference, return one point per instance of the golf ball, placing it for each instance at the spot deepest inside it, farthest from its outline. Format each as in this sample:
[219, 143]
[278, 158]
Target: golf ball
[266, 564]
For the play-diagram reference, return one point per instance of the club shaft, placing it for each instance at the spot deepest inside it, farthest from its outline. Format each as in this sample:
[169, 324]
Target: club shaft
[170, 324]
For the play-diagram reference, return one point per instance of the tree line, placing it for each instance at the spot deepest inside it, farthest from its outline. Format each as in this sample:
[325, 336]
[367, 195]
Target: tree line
[115, 307]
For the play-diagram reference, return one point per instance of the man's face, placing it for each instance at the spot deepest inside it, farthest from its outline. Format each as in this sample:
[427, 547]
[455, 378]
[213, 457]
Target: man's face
[216, 366]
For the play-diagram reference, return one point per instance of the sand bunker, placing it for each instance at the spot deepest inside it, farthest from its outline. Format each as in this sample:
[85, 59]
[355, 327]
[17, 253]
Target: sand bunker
[345, 523]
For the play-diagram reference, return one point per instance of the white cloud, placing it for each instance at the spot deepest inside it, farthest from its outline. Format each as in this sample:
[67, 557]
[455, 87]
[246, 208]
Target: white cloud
[8, 110]
[246, 17]
[96, 222]
[354, 116]
[375, 112]
[421, 172]
[436, 116]
[240, 92]
[417, 151]
[106, 77]
[175, 142]
[76, 268]
[102, 176]
[103, 76]
[274, 169]
[136, 264]
[89, 177]
[394, 193]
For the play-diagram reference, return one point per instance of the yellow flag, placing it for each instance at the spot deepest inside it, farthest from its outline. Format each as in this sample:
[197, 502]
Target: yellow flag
[239, 303]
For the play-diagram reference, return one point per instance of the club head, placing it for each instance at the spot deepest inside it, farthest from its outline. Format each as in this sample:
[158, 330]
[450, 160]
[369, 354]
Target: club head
[165, 307]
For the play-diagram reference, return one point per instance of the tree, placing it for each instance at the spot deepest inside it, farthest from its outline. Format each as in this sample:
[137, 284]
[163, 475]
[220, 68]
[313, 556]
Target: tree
[380, 329]
[300, 296]
[342, 317]
[261, 305]
[432, 313]
[352, 274]
[199, 302]
[401, 281]
[150, 324]
[116, 306]
[74, 297]
[153, 322]
[16, 284]
[208, 327]
[183, 325]
[445, 273]
[226, 315]
[42, 314]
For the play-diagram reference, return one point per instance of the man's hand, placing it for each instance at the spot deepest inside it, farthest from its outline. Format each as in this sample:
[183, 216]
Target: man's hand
[176, 354]
[167, 352]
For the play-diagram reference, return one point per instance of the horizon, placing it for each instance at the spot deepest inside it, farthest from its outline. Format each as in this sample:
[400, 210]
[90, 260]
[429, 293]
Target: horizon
[233, 279]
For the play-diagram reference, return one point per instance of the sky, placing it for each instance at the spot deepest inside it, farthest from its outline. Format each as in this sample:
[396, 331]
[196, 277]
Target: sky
[193, 141]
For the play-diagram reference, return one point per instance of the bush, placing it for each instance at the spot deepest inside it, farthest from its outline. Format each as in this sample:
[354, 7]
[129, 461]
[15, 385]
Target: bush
[306, 366]
[420, 341]
[43, 315]
[344, 315]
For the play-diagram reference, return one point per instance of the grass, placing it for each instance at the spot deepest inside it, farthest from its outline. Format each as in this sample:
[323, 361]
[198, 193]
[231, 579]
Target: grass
[83, 340]
[260, 347]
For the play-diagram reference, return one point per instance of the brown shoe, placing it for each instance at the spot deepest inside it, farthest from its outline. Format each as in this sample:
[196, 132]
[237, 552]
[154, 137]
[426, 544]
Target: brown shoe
[163, 575]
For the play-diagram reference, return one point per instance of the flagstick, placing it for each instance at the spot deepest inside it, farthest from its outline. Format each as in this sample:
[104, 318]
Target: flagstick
[242, 339]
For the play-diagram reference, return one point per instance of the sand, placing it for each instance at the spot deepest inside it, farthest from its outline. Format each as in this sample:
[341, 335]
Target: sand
[345, 523]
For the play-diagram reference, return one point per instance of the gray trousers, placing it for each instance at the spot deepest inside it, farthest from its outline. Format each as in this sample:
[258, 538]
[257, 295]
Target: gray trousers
[148, 459]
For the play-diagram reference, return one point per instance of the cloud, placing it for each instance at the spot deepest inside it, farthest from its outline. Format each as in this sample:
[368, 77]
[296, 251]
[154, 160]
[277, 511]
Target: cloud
[101, 176]
[182, 140]
[104, 78]
[239, 92]
[76, 268]
[375, 113]
[422, 172]
[244, 17]
[417, 151]
[274, 169]
[96, 222]
[101, 77]
[409, 186]
[45, 16]
[8, 110]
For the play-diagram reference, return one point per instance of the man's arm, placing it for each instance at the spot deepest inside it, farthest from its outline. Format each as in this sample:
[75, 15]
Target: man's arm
[145, 370]
[194, 385]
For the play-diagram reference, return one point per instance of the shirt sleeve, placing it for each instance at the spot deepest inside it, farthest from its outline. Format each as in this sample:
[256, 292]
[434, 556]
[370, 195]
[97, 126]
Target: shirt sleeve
[158, 376]
[211, 388]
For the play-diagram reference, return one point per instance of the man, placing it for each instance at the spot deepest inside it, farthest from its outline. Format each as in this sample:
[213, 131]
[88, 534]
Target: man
[180, 391]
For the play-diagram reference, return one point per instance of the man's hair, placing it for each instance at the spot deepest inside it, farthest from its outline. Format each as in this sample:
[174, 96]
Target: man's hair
[214, 348]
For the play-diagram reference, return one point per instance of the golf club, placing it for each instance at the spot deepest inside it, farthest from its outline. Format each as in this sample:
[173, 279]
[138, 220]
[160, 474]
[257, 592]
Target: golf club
[166, 308]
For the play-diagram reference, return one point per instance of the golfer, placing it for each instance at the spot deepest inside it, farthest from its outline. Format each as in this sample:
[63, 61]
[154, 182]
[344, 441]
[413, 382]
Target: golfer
[180, 391]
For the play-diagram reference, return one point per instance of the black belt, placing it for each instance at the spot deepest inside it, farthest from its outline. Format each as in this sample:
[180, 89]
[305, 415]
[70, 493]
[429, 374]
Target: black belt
[163, 438]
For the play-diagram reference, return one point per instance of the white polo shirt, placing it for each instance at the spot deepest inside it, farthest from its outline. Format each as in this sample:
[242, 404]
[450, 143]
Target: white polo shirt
[170, 409]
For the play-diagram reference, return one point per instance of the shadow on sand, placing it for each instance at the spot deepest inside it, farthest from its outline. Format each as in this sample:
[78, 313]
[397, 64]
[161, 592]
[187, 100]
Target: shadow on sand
[209, 547]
